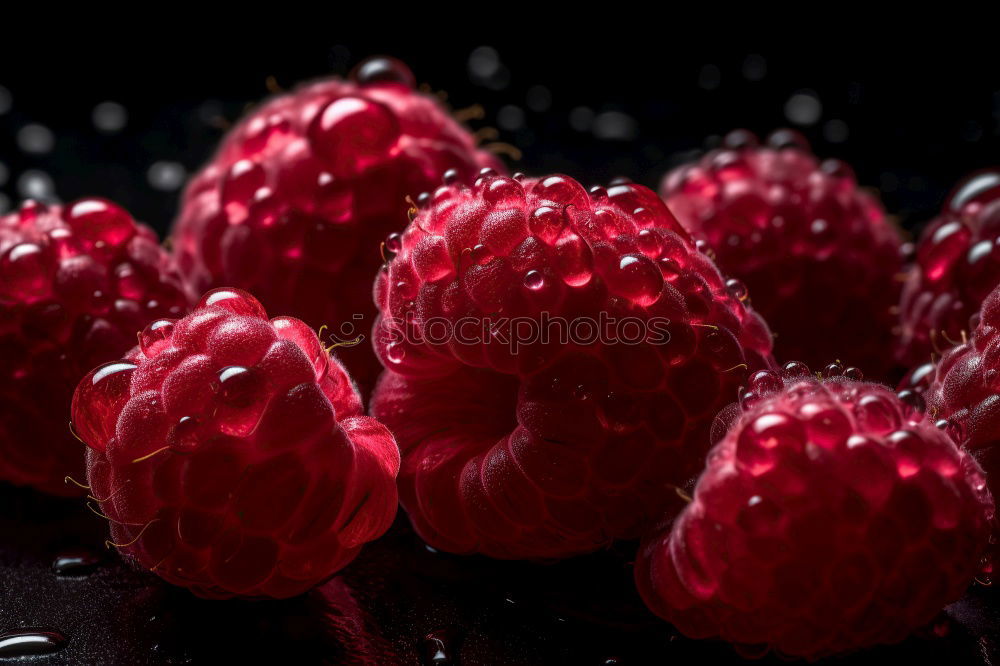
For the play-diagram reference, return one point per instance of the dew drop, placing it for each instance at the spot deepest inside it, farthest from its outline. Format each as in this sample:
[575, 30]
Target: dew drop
[75, 562]
[394, 243]
[30, 642]
[395, 352]
[736, 289]
[534, 280]
[152, 338]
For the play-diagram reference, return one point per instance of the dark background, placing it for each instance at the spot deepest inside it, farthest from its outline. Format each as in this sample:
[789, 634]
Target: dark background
[912, 118]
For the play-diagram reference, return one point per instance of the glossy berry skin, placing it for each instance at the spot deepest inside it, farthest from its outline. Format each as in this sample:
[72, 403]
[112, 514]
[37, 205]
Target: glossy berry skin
[302, 192]
[962, 391]
[230, 454]
[76, 283]
[569, 440]
[957, 266]
[816, 252]
[832, 515]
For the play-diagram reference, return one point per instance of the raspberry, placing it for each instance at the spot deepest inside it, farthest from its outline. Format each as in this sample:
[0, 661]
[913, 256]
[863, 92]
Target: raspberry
[301, 193]
[832, 515]
[957, 266]
[565, 439]
[230, 455]
[76, 283]
[962, 391]
[816, 252]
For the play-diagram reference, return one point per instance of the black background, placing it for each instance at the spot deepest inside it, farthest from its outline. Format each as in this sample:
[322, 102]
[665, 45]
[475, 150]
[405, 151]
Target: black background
[918, 114]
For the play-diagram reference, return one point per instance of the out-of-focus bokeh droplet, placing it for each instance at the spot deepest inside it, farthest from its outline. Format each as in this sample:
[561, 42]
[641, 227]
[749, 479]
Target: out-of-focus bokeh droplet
[109, 117]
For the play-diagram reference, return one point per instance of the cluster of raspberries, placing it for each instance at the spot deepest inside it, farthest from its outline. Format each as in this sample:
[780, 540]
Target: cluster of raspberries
[548, 368]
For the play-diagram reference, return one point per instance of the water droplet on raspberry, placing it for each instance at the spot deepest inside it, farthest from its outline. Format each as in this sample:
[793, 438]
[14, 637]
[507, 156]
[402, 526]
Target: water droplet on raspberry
[914, 404]
[534, 280]
[833, 370]
[561, 190]
[972, 188]
[638, 279]
[395, 352]
[877, 414]
[854, 374]
[765, 382]
[501, 189]
[184, 436]
[234, 300]
[243, 396]
[450, 177]
[383, 70]
[546, 223]
[97, 221]
[156, 336]
[794, 369]
[394, 243]
[597, 192]
[25, 274]
[736, 289]
[953, 428]
[352, 133]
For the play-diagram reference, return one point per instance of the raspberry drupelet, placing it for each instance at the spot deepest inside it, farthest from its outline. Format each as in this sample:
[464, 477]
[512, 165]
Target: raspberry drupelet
[554, 358]
[832, 515]
[302, 192]
[957, 266]
[816, 252]
[230, 454]
[76, 283]
[962, 391]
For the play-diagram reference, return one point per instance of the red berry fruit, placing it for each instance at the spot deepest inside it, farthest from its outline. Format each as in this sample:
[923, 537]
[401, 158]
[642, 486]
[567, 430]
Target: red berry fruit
[76, 283]
[230, 455]
[962, 391]
[816, 252]
[832, 515]
[303, 191]
[554, 361]
[957, 266]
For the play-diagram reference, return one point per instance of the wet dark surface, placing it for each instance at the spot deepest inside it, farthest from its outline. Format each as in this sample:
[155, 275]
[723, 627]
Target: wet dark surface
[399, 602]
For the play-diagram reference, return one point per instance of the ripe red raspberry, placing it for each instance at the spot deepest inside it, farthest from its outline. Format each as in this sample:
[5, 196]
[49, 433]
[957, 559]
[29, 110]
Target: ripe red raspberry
[230, 455]
[302, 192]
[76, 283]
[816, 252]
[832, 515]
[962, 391]
[957, 266]
[554, 360]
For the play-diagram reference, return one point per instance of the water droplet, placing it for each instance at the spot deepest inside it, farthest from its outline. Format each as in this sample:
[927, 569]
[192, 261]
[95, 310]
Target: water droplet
[794, 369]
[914, 403]
[450, 177]
[833, 370]
[382, 70]
[394, 243]
[75, 562]
[395, 352]
[154, 335]
[28, 642]
[534, 280]
[854, 374]
[736, 289]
